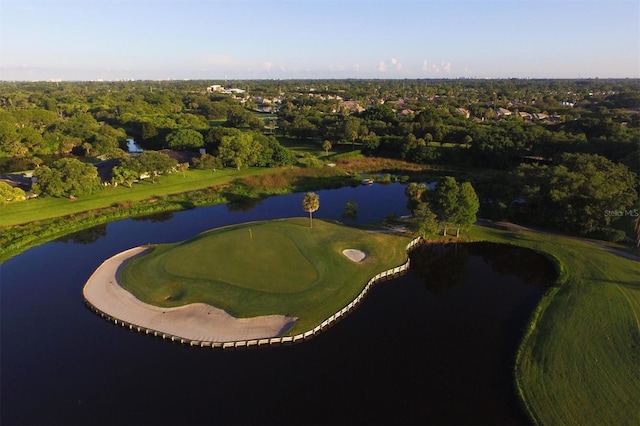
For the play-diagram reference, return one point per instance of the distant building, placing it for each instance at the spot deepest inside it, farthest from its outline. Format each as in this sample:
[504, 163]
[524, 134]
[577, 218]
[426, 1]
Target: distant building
[352, 106]
[502, 112]
[464, 112]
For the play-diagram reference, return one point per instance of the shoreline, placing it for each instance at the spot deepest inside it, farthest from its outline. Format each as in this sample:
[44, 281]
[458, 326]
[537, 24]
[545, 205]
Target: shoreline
[197, 322]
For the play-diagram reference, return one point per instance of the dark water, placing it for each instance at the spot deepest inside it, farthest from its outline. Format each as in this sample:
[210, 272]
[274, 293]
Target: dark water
[416, 351]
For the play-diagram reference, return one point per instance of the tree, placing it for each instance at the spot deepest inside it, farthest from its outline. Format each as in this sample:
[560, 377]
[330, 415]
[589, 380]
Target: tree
[350, 210]
[446, 199]
[185, 139]
[424, 222]
[370, 143]
[207, 161]
[467, 140]
[155, 163]
[575, 193]
[125, 174]
[148, 130]
[272, 153]
[326, 145]
[455, 204]
[68, 177]
[468, 205]
[48, 181]
[311, 203]
[239, 150]
[10, 194]
[416, 194]
[183, 167]
[351, 129]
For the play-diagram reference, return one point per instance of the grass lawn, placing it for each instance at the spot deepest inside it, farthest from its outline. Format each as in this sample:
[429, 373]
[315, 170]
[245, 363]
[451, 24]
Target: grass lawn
[314, 147]
[275, 267]
[48, 207]
[580, 361]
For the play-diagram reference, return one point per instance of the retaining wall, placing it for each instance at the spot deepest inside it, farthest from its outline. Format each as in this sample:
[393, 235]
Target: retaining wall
[382, 276]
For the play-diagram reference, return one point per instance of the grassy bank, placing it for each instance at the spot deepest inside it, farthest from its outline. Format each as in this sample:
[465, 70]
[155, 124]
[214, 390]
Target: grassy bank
[49, 207]
[579, 361]
[27, 224]
[246, 269]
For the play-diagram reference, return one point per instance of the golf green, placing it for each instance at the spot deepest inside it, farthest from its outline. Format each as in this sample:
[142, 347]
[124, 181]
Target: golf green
[275, 267]
[259, 259]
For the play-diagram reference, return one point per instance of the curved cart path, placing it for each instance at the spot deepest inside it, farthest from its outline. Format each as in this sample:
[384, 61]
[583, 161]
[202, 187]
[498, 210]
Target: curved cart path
[197, 321]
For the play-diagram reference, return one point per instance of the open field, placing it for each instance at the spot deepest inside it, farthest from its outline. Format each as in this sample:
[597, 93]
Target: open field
[313, 147]
[579, 362]
[248, 270]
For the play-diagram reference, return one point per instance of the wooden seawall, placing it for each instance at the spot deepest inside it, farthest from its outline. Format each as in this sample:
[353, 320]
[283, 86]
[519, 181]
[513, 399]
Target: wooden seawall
[272, 341]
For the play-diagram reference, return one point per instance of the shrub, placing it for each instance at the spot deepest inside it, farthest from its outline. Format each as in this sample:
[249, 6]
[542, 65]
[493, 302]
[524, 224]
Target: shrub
[606, 234]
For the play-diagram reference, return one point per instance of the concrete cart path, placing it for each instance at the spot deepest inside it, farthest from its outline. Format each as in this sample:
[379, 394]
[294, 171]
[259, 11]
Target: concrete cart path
[197, 321]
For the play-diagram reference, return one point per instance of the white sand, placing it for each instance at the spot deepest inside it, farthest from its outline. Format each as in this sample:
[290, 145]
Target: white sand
[197, 321]
[354, 255]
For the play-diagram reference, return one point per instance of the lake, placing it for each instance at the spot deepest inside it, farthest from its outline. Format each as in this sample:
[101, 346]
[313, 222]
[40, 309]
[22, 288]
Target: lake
[435, 346]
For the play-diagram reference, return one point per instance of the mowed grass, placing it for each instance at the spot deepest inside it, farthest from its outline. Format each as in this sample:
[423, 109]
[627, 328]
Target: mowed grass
[276, 267]
[580, 362]
[313, 146]
[258, 259]
[48, 207]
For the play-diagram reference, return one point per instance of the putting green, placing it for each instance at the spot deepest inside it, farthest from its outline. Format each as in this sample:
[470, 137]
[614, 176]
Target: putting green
[258, 259]
[263, 268]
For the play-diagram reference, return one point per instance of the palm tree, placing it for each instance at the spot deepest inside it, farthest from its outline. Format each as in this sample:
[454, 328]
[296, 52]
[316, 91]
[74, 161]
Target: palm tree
[311, 203]
[326, 145]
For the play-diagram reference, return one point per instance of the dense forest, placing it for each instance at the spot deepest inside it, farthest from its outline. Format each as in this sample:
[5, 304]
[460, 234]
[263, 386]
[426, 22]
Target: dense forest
[555, 153]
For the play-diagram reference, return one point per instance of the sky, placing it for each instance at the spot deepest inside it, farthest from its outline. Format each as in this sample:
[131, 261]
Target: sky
[292, 39]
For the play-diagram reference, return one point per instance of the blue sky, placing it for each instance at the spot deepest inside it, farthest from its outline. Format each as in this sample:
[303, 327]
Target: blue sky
[251, 39]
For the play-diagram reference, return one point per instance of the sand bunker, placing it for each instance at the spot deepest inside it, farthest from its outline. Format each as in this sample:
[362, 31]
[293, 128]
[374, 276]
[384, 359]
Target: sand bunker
[355, 255]
[196, 321]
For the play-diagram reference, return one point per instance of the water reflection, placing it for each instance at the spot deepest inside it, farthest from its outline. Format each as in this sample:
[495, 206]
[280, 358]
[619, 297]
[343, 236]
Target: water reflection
[405, 355]
[446, 266]
[531, 267]
[243, 204]
[443, 267]
[86, 236]
[156, 217]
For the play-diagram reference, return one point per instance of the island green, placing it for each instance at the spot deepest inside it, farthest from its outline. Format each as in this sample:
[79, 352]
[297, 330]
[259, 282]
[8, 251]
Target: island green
[263, 268]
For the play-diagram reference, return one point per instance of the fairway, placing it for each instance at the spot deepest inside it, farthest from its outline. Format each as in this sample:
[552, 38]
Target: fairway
[281, 267]
[579, 361]
[176, 183]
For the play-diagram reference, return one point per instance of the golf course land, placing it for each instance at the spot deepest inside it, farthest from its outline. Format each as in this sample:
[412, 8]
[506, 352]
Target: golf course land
[281, 267]
[579, 360]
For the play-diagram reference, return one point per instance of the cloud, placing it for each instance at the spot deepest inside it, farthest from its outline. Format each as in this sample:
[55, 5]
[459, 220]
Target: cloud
[382, 67]
[222, 60]
[397, 65]
[435, 68]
